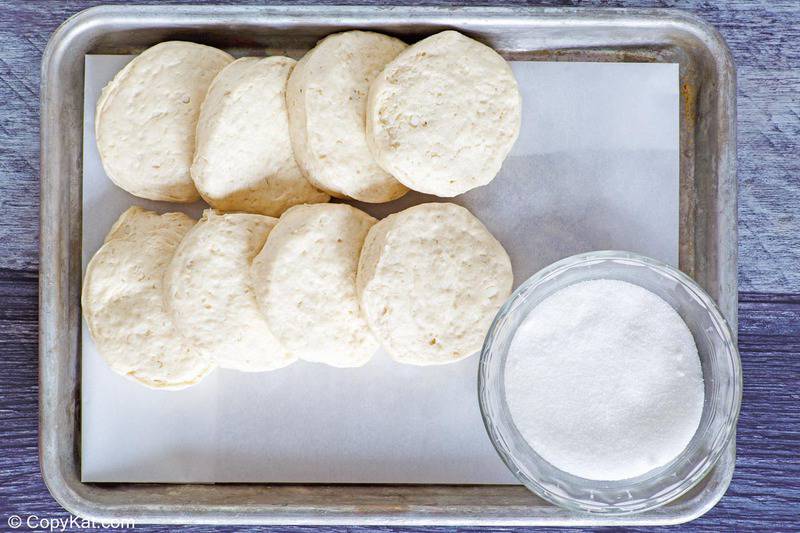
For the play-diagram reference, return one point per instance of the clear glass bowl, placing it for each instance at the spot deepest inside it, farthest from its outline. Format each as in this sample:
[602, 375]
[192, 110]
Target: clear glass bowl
[722, 375]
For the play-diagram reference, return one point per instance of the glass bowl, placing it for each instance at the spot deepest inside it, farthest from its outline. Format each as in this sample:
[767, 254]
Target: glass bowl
[722, 376]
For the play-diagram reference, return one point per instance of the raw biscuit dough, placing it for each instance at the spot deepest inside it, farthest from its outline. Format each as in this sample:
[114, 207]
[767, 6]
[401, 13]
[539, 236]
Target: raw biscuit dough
[243, 159]
[146, 118]
[123, 304]
[430, 281]
[327, 98]
[209, 294]
[305, 282]
[443, 115]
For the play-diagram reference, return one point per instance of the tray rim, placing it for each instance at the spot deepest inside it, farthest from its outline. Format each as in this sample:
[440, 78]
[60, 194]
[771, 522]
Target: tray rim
[56, 312]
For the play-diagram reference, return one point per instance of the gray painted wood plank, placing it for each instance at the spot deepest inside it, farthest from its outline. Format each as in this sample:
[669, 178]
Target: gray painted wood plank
[765, 40]
[763, 35]
[764, 494]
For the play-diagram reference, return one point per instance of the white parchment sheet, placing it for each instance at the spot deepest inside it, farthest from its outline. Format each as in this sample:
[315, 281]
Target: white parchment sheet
[595, 167]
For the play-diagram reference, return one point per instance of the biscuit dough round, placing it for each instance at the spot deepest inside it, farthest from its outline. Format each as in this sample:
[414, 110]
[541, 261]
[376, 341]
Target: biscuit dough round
[430, 281]
[443, 115]
[209, 294]
[327, 98]
[243, 159]
[146, 118]
[122, 301]
[305, 282]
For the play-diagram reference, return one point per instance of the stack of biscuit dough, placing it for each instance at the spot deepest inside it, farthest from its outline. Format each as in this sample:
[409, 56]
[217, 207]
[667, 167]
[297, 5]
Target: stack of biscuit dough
[273, 272]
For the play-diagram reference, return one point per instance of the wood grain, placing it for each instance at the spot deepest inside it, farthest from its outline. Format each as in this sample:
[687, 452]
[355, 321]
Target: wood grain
[763, 36]
[764, 494]
[765, 39]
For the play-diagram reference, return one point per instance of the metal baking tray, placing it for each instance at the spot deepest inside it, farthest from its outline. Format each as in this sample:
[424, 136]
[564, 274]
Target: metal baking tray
[707, 238]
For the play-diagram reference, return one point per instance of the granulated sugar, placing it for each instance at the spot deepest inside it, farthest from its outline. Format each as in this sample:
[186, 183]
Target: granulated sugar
[603, 380]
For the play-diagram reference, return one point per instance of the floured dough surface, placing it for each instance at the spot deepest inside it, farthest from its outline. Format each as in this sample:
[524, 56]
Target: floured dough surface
[443, 115]
[243, 159]
[135, 222]
[123, 304]
[146, 118]
[430, 281]
[209, 294]
[327, 98]
[305, 283]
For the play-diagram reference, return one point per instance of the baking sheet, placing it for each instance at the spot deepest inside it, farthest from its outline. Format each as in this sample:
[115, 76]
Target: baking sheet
[596, 166]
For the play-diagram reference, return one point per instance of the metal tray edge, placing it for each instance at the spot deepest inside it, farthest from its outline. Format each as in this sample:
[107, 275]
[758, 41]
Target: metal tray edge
[55, 244]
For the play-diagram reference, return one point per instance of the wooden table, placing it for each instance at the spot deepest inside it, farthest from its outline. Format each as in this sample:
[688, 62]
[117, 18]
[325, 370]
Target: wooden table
[765, 39]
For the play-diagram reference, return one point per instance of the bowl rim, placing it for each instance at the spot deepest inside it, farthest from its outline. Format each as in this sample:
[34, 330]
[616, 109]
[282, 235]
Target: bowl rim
[720, 439]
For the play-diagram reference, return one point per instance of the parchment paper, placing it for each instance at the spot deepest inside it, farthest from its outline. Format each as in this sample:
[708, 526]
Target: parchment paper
[595, 167]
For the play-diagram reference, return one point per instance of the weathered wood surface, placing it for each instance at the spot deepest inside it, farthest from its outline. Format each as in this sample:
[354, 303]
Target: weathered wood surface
[765, 39]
